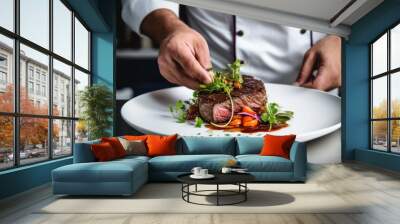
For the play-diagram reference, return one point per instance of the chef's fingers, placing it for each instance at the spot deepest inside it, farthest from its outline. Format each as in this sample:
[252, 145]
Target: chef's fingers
[309, 60]
[164, 67]
[172, 72]
[187, 81]
[323, 81]
[187, 60]
[202, 54]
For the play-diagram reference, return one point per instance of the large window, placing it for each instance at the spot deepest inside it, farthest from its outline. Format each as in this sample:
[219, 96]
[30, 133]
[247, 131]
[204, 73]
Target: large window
[385, 91]
[44, 64]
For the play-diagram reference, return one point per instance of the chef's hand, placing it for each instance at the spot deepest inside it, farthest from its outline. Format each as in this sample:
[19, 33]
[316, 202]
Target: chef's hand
[184, 56]
[325, 57]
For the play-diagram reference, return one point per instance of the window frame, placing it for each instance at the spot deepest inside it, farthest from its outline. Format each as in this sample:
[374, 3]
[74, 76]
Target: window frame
[388, 74]
[16, 115]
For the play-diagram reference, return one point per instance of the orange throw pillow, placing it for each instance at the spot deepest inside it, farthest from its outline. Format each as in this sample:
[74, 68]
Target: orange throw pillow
[116, 145]
[135, 137]
[161, 145]
[277, 145]
[103, 152]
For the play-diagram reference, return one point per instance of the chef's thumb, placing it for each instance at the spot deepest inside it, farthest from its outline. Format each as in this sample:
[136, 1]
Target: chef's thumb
[307, 68]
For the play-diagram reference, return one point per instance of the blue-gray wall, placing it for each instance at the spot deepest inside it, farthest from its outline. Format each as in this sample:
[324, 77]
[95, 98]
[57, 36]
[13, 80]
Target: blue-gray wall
[355, 109]
[99, 15]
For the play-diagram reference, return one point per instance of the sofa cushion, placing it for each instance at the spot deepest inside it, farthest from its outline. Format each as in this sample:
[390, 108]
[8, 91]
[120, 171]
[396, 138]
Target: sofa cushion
[103, 152]
[257, 163]
[83, 152]
[133, 158]
[185, 163]
[112, 171]
[159, 145]
[248, 145]
[277, 145]
[134, 147]
[196, 145]
[116, 145]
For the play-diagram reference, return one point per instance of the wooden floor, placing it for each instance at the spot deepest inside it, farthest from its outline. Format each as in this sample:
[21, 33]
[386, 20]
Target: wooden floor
[351, 181]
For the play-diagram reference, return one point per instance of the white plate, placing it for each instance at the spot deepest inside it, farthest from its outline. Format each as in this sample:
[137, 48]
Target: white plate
[208, 176]
[316, 113]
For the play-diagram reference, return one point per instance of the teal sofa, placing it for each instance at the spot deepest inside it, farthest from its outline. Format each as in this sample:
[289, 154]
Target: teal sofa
[125, 176]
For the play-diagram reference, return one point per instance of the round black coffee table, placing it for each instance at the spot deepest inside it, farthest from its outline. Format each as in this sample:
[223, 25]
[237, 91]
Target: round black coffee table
[238, 179]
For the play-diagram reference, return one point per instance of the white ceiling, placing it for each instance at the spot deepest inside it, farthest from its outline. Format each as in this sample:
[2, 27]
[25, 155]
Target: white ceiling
[324, 9]
[327, 16]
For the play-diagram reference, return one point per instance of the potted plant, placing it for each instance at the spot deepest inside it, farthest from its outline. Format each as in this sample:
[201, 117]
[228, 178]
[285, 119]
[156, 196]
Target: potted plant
[96, 110]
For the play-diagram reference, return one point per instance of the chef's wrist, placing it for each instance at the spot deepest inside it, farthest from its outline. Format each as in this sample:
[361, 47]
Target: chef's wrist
[161, 23]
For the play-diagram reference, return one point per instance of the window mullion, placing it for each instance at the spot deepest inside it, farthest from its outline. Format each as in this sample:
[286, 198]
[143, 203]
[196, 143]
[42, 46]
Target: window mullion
[73, 83]
[16, 84]
[389, 101]
[50, 81]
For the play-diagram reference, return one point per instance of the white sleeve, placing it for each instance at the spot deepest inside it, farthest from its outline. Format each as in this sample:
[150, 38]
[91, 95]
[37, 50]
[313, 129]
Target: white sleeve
[134, 11]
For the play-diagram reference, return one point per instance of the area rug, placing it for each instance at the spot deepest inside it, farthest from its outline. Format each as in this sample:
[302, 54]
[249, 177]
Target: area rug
[166, 198]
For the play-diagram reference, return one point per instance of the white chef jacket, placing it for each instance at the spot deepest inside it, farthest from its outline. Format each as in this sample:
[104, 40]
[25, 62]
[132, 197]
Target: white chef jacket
[271, 52]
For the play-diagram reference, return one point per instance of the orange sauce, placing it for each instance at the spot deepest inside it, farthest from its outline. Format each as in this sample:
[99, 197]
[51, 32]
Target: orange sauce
[259, 128]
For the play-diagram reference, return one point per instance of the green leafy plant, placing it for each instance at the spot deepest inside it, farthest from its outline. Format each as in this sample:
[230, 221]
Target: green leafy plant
[178, 111]
[220, 83]
[96, 102]
[224, 81]
[235, 71]
[198, 122]
[275, 116]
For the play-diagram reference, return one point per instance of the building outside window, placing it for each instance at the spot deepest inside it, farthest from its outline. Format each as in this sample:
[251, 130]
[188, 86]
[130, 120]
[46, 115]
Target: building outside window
[30, 72]
[43, 90]
[3, 72]
[385, 91]
[37, 74]
[58, 125]
[30, 87]
[38, 89]
[3, 77]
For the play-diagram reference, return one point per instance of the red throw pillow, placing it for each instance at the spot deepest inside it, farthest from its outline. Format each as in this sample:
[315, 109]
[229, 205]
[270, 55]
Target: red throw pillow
[116, 145]
[277, 145]
[135, 137]
[161, 145]
[103, 152]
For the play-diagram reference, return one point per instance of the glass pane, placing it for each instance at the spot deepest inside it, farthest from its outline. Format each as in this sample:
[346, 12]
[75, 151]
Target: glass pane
[6, 142]
[81, 131]
[379, 55]
[379, 97]
[395, 136]
[62, 29]
[34, 94]
[7, 14]
[62, 138]
[62, 89]
[395, 47]
[395, 94]
[379, 135]
[35, 21]
[81, 81]
[6, 74]
[81, 45]
[33, 139]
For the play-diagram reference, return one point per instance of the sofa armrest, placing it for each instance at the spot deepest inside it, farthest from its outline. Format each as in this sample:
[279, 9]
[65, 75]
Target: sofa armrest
[83, 152]
[298, 155]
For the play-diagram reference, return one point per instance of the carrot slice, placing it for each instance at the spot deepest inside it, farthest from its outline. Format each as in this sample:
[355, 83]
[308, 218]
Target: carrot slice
[252, 123]
[247, 119]
[247, 109]
[236, 122]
